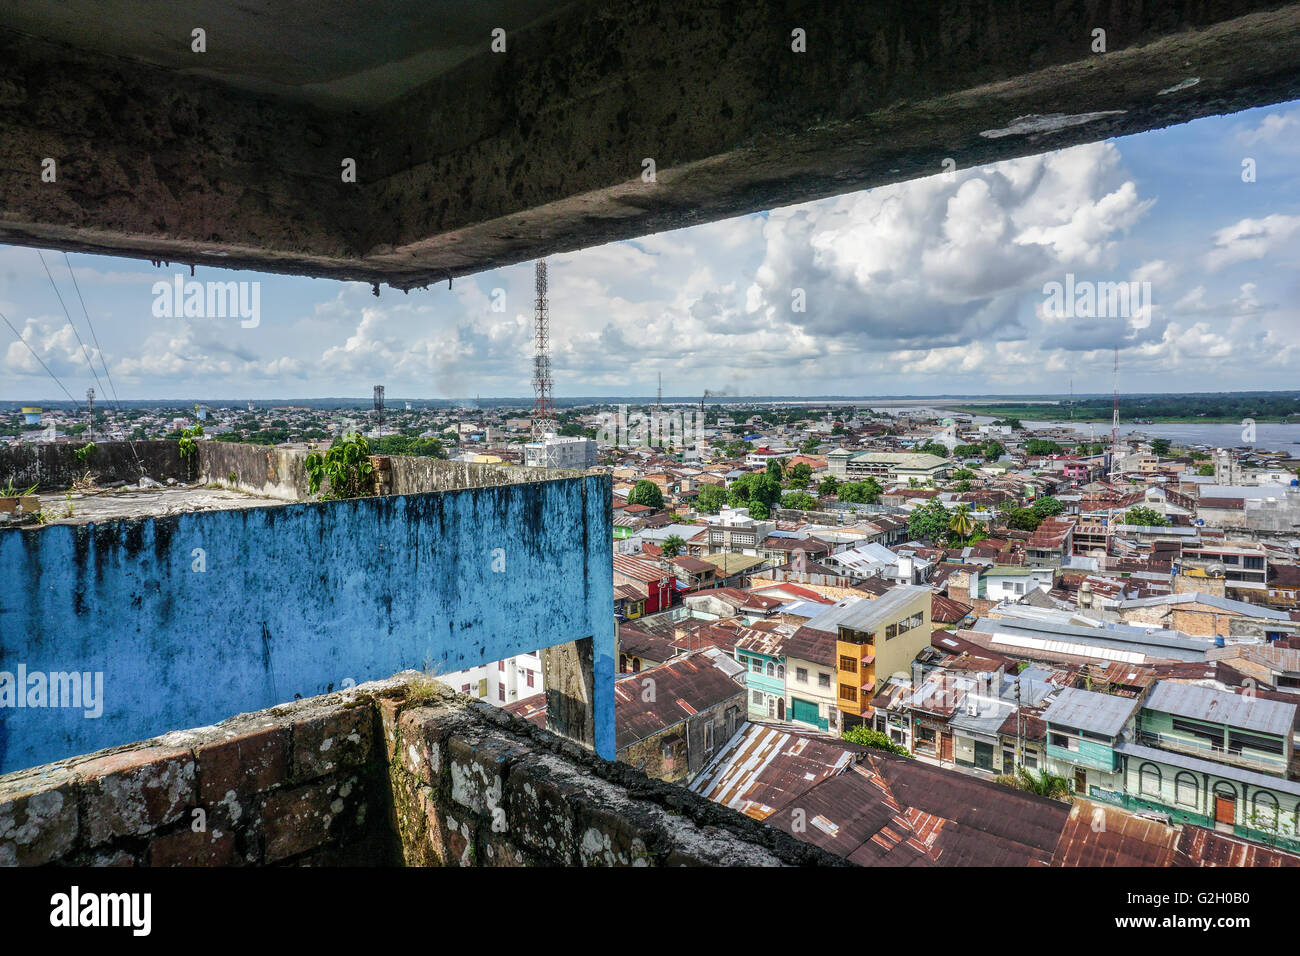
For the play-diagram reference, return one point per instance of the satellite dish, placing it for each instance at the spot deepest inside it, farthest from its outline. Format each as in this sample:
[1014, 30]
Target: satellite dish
[1216, 570]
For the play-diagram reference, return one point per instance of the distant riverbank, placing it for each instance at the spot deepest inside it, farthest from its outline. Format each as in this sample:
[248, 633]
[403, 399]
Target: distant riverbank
[1052, 413]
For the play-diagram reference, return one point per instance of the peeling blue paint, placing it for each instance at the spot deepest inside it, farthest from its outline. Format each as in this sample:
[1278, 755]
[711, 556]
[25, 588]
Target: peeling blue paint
[295, 600]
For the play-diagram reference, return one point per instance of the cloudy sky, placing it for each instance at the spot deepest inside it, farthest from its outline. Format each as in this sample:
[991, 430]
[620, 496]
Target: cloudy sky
[931, 287]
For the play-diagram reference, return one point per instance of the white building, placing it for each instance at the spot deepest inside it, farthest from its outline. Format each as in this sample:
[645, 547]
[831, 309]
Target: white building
[501, 683]
[553, 452]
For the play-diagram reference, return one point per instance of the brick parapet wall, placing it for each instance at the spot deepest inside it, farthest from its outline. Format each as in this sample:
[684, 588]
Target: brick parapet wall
[299, 783]
[392, 772]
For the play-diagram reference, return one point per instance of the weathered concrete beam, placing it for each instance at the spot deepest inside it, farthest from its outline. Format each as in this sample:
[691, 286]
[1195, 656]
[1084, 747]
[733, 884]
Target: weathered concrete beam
[540, 149]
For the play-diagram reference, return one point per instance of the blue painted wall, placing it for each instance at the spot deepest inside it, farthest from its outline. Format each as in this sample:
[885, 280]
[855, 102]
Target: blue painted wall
[296, 600]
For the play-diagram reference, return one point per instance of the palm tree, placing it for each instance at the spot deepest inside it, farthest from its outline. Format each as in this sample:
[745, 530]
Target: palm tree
[673, 546]
[961, 524]
[1045, 784]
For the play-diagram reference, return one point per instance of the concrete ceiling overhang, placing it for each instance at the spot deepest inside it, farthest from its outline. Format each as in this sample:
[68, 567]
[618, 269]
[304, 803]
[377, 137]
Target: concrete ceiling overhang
[468, 159]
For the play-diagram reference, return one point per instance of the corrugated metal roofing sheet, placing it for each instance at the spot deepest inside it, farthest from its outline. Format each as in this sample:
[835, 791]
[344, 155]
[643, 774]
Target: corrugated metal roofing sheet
[1223, 707]
[1088, 710]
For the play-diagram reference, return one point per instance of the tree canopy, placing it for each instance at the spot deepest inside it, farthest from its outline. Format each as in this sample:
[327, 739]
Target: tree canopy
[711, 499]
[1146, 517]
[799, 500]
[646, 493]
[930, 521]
[865, 492]
[757, 492]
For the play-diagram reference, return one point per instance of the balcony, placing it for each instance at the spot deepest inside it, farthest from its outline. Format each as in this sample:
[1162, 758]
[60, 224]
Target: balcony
[1209, 751]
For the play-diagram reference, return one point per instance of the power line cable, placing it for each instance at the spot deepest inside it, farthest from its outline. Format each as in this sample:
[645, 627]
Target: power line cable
[85, 351]
[117, 404]
[41, 360]
[102, 361]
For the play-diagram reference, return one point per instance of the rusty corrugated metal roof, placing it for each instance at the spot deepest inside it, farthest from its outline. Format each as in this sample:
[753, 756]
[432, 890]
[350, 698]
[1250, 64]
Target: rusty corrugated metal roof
[682, 688]
[762, 768]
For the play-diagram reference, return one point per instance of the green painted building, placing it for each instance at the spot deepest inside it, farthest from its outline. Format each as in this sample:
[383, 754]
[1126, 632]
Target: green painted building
[1083, 730]
[1217, 759]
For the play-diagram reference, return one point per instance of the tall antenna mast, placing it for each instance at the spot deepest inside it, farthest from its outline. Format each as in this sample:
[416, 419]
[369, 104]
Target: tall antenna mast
[1114, 425]
[543, 396]
[90, 411]
[659, 413]
[379, 406]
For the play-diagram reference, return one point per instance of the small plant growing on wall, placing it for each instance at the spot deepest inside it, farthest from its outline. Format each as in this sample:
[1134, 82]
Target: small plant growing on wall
[345, 465]
[1265, 822]
[85, 453]
[189, 447]
[13, 491]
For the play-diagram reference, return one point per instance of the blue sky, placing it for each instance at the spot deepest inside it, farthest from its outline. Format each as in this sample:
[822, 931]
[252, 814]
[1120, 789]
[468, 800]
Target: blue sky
[933, 286]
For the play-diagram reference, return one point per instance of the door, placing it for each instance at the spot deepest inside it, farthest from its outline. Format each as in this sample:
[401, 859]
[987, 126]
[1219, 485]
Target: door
[945, 747]
[1225, 809]
[780, 708]
[1081, 781]
[804, 711]
[983, 756]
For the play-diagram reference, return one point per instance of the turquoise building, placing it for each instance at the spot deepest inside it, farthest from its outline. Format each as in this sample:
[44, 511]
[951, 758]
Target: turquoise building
[763, 655]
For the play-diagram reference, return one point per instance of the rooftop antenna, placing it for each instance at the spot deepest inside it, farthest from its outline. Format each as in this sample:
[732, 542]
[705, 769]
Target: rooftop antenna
[659, 409]
[1114, 424]
[90, 411]
[379, 406]
[543, 390]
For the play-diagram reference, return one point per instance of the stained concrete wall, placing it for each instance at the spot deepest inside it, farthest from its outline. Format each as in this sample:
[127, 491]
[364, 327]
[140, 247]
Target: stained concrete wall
[279, 472]
[538, 150]
[258, 469]
[296, 600]
[53, 466]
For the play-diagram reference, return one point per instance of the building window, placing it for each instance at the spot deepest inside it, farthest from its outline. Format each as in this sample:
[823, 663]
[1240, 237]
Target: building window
[801, 675]
[529, 677]
[1149, 780]
[848, 692]
[847, 663]
[501, 665]
[1264, 811]
[780, 672]
[464, 688]
[758, 697]
[823, 680]
[501, 691]
[1237, 741]
[756, 666]
[771, 669]
[1187, 792]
